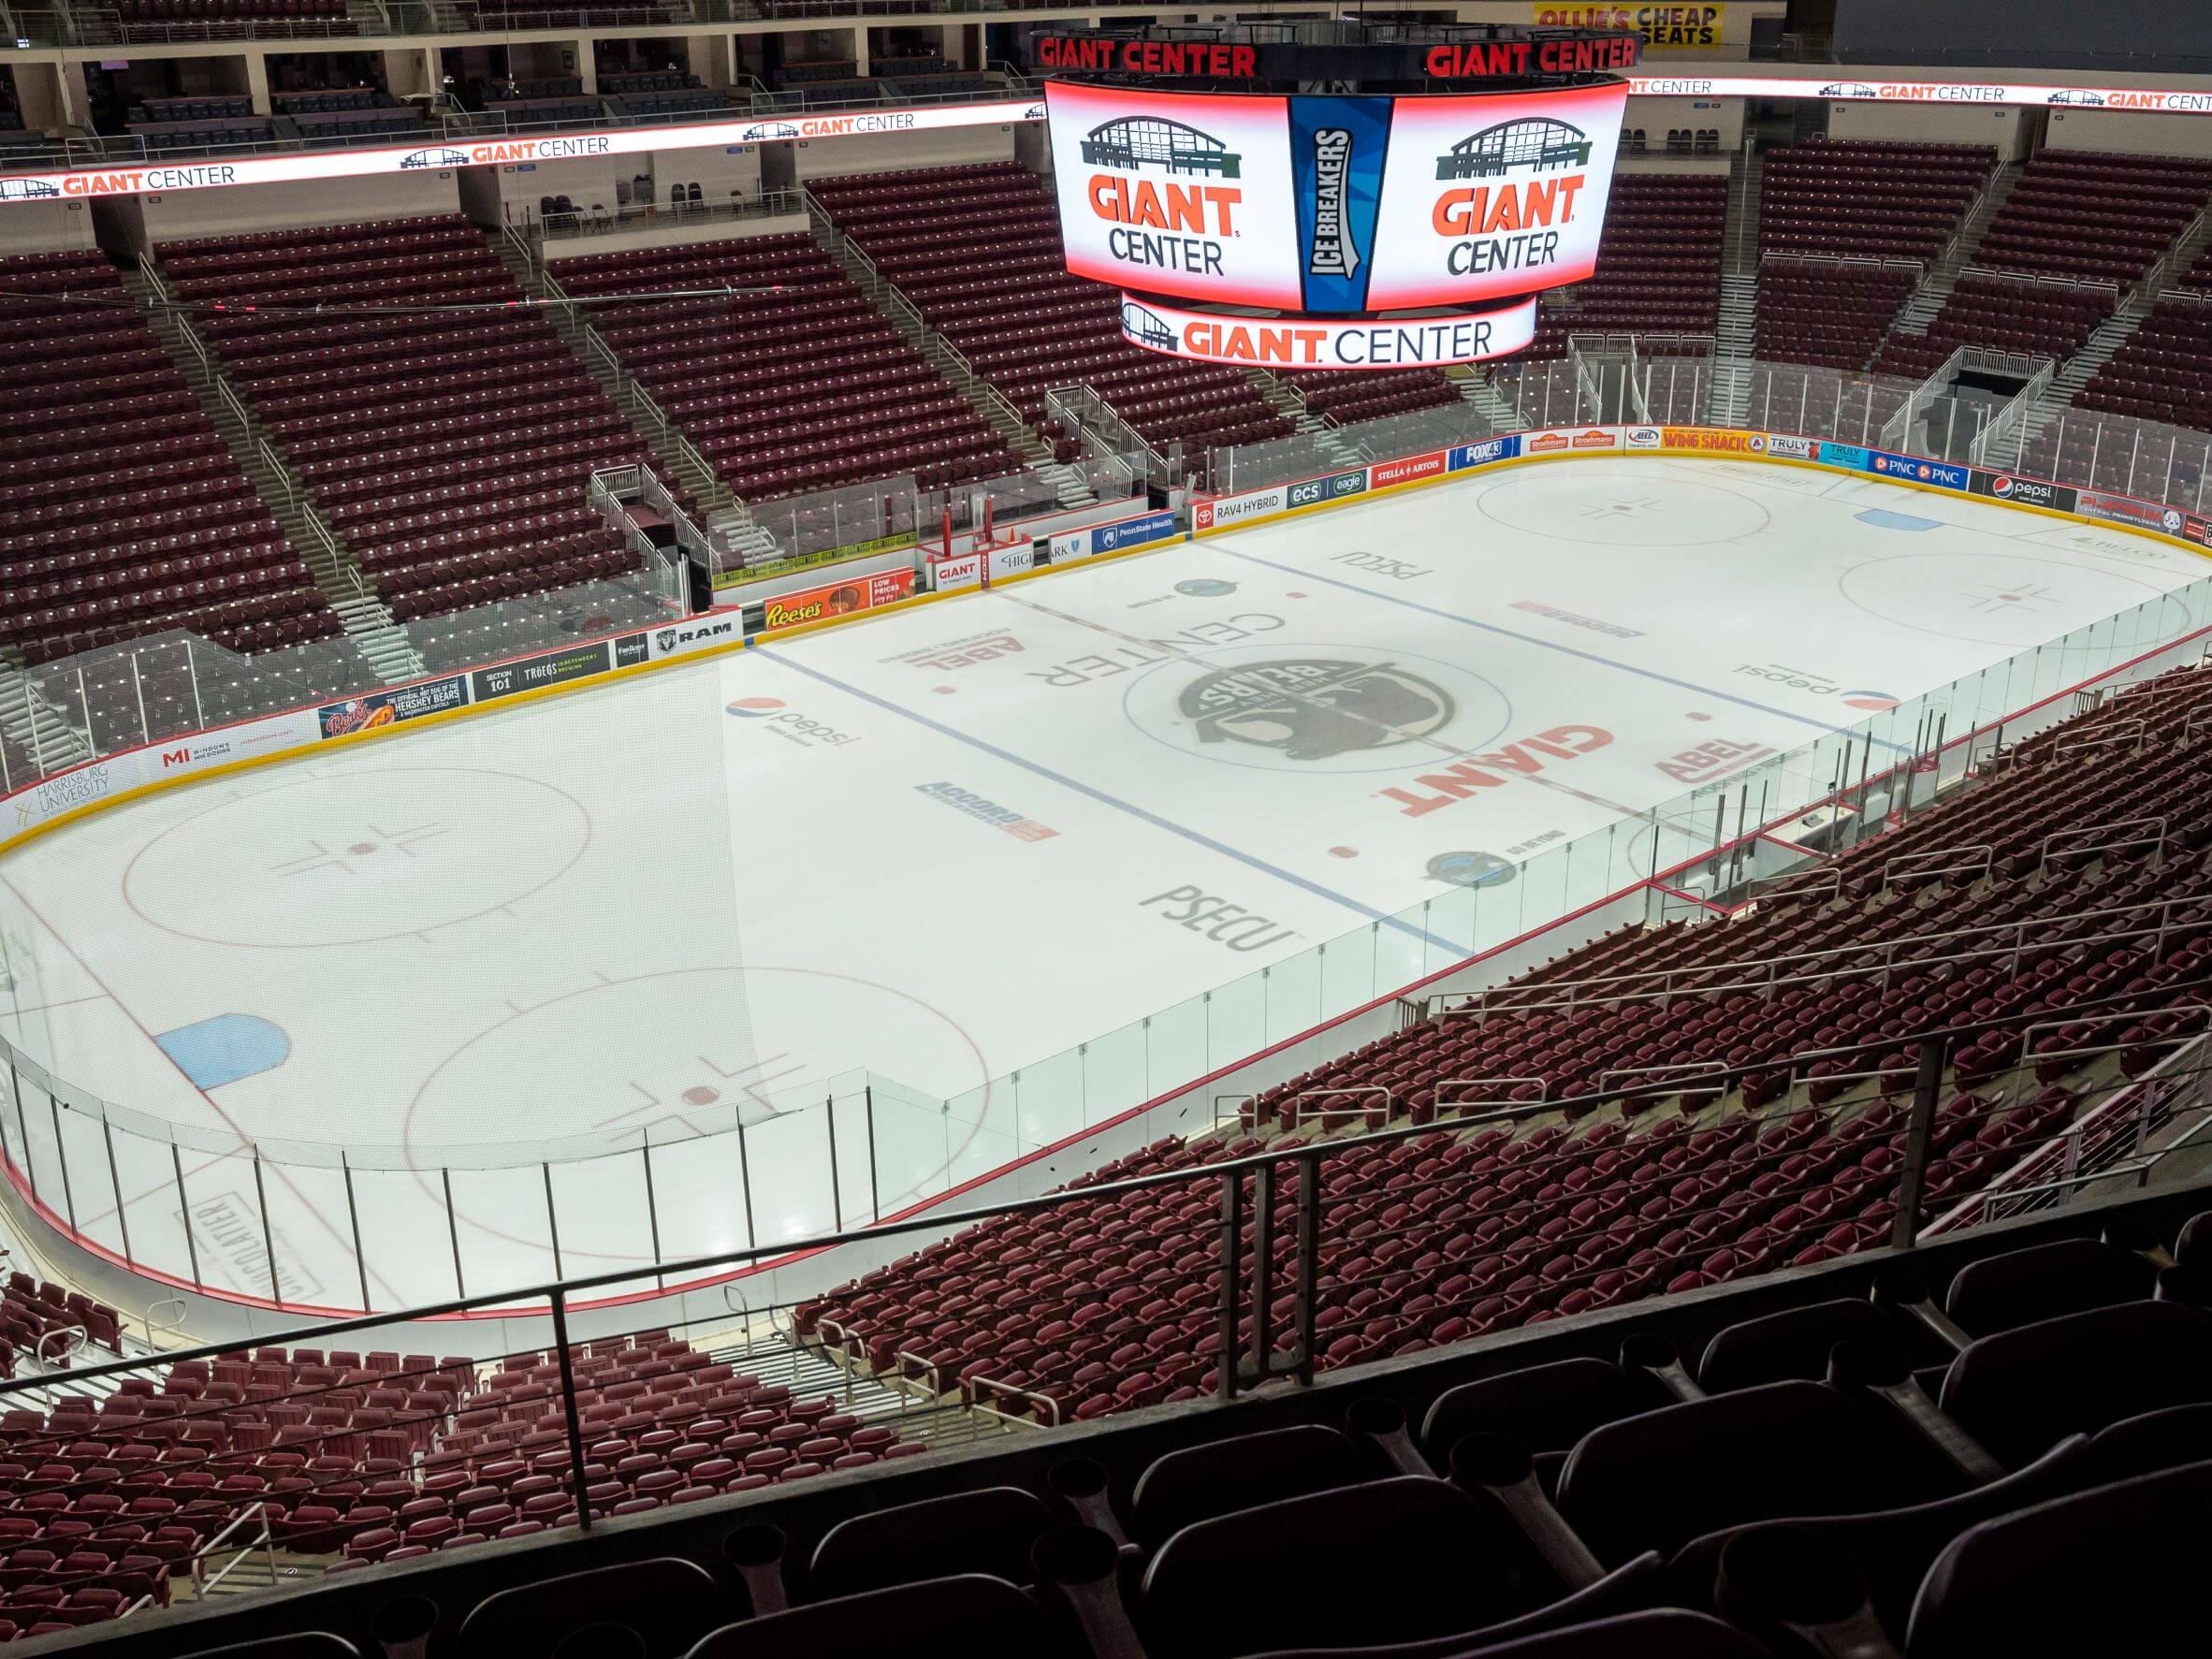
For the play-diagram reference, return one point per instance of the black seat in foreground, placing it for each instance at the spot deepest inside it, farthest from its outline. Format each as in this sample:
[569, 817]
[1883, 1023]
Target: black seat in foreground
[1794, 1343]
[985, 1533]
[2117, 1570]
[1666, 1633]
[669, 1602]
[1402, 1560]
[1658, 1481]
[2021, 1392]
[307, 1644]
[1636, 1588]
[1200, 1482]
[1547, 1408]
[1892, 1548]
[969, 1617]
[2045, 1282]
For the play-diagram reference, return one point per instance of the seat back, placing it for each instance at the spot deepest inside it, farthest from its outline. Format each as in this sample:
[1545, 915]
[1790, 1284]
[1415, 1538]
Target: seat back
[1402, 1560]
[2115, 1569]
[2021, 1391]
[1243, 1472]
[969, 1617]
[985, 1533]
[669, 1602]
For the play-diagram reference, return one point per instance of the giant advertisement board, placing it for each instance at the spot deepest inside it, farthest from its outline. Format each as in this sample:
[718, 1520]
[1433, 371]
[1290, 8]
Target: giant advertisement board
[1303, 340]
[1333, 204]
[145, 179]
[148, 179]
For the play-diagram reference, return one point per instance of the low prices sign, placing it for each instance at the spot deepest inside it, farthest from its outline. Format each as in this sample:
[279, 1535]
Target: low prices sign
[836, 598]
[1320, 342]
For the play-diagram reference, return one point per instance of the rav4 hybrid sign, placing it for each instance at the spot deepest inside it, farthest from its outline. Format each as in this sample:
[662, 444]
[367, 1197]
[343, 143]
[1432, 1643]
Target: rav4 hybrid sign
[1333, 204]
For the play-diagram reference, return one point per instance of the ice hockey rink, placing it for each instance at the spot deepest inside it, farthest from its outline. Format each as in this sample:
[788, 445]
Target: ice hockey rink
[946, 847]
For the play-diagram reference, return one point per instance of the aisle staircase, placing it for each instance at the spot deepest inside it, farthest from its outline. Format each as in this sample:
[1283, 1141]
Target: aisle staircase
[1280, 396]
[948, 360]
[2108, 337]
[1736, 332]
[1473, 383]
[32, 724]
[725, 517]
[368, 621]
[1935, 287]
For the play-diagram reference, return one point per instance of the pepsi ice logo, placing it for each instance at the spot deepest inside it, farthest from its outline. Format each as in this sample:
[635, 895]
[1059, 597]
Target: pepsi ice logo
[755, 708]
[1874, 700]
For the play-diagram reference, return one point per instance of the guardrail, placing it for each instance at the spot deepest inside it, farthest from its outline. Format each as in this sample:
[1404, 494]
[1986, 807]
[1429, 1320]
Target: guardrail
[1464, 924]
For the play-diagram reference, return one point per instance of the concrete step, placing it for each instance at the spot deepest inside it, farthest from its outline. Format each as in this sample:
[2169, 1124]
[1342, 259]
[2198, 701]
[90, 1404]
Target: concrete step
[1474, 388]
[986, 399]
[1729, 401]
[1928, 300]
[1067, 483]
[53, 741]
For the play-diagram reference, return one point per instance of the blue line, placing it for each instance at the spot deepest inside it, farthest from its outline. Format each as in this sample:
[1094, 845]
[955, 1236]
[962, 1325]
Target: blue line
[1114, 801]
[1552, 644]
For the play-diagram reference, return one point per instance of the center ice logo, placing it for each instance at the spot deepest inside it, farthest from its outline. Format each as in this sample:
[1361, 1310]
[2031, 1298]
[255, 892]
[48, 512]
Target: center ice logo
[1312, 708]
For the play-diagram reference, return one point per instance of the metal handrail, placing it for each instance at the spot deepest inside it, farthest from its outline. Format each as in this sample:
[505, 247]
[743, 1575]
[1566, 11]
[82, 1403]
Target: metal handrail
[169, 1326]
[1794, 963]
[2156, 842]
[556, 1295]
[980, 1383]
[1291, 1119]
[1977, 859]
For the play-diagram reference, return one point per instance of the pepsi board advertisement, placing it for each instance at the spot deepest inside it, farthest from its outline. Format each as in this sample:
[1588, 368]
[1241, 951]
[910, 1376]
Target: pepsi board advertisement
[1333, 206]
[2024, 492]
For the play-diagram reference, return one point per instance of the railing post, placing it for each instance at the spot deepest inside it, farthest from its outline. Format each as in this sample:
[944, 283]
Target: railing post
[1232, 1236]
[572, 1423]
[1309, 1265]
[652, 1212]
[352, 1219]
[460, 1286]
[875, 1193]
[829, 1116]
[22, 1124]
[753, 1236]
[1919, 1134]
[276, 1287]
[184, 1210]
[553, 1221]
[1263, 1261]
[115, 1182]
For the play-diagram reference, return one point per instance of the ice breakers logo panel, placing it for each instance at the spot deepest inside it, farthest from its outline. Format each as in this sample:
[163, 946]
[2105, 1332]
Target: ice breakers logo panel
[1314, 708]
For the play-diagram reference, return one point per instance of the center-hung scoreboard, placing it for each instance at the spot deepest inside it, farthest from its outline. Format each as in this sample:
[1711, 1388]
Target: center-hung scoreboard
[1333, 194]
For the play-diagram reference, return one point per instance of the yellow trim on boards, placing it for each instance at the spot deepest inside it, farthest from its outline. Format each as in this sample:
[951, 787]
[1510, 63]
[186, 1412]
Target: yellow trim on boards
[1779, 460]
[22, 838]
